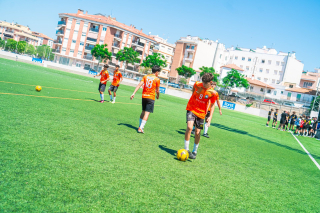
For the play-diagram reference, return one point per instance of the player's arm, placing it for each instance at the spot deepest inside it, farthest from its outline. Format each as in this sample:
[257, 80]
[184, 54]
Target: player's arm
[208, 120]
[219, 105]
[96, 75]
[158, 92]
[137, 88]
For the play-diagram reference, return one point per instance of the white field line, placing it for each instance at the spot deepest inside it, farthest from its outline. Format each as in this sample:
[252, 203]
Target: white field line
[310, 156]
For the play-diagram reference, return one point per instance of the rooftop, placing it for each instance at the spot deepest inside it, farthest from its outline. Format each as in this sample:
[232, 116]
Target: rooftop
[41, 35]
[233, 66]
[259, 83]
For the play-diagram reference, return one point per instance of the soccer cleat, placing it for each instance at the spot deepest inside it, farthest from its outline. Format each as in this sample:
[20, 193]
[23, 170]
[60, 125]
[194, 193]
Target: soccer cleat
[140, 130]
[206, 135]
[191, 155]
[101, 101]
[113, 101]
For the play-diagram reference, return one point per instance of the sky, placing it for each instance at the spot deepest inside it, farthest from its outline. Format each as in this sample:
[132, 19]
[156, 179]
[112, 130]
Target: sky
[282, 24]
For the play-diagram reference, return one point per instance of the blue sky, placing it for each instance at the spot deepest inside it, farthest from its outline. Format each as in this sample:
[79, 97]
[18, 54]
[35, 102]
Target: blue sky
[285, 25]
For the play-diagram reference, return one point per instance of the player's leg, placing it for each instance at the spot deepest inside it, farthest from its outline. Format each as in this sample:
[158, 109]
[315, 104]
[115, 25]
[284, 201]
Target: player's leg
[199, 126]
[190, 119]
[147, 108]
[114, 94]
[102, 88]
[267, 124]
[109, 90]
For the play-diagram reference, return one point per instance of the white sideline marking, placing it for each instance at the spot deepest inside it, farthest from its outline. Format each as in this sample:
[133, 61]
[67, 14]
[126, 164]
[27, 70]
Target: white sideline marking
[310, 156]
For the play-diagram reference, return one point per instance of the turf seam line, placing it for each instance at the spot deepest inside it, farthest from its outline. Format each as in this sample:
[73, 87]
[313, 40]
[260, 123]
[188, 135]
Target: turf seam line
[308, 153]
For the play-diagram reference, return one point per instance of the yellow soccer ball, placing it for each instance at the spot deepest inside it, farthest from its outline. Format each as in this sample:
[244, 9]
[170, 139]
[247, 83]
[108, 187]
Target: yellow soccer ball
[182, 154]
[38, 88]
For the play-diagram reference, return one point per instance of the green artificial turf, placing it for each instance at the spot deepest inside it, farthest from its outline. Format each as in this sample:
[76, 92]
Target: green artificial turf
[66, 155]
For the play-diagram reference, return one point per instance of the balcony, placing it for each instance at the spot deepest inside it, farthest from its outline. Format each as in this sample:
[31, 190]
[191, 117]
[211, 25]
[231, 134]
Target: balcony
[59, 33]
[138, 43]
[61, 23]
[117, 37]
[10, 32]
[91, 40]
[96, 30]
[114, 54]
[116, 45]
[88, 57]
[188, 59]
[190, 50]
[57, 42]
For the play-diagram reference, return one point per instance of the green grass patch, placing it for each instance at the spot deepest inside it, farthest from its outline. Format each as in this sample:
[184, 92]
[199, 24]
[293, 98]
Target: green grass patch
[65, 155]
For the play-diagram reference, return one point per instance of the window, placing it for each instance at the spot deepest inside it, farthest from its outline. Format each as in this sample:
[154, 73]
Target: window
[72, 51]
[281, 92]
[261, 89]
[225, 58]
[298, 97]
[274, 92]
[187, 47]
[265, 80]
[192, 47]
[273, 81]
[275, 72]
[267, 70]
[80, 53]
[280, 72]
[64, 49]
[269, 91]
[251, 88]
[220, 55]
[78, 64]
[247, 68]
[289, 95]
[241, 66]
[278, 63]
[81, 43]
[307, 84]
[282, 63]
[290, 86]
[74, 41]
[278, 82]
[243, 58]
[169, 49]
[163, 46]
[104, 29]
[230, 57]
[249, 59]
[83, 34]
[236, 58]
[259, 78]
[269, 62]
[260, 70]
[263, 61]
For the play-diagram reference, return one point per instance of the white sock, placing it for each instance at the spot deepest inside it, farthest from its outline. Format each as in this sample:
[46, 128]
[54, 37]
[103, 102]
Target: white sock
[143, 122]
[102, 97]
[186, 145]
[195, 148]
[114, 99]
[110, 97]
[205, 129]
[140, 122]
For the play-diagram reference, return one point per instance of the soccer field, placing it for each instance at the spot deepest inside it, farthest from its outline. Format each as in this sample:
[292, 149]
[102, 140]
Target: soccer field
[63, 151]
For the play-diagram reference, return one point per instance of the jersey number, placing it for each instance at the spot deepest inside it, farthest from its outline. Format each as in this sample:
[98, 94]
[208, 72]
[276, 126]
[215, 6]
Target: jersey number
[149, 83]
[200, 96]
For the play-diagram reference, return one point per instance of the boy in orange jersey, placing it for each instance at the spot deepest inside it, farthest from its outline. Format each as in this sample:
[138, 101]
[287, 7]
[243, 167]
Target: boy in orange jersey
[151, 86]
[103, 81]
[202, 95]
[117, 78]
[207, 123]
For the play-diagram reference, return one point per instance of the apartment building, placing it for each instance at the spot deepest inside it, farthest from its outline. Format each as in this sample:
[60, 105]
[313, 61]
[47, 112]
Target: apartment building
[167, 50]
[43, 39]
[17, 32]
[77, 33]
[194, 52]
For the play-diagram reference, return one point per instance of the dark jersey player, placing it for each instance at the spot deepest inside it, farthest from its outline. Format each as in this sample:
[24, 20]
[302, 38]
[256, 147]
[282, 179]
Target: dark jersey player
[283, 120]
[269, 118]
[293, 118]
[275, 118]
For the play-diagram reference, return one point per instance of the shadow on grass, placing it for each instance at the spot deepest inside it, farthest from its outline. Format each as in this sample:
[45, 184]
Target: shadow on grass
[129, 125]
[170, 151]
[220, 126]
[96, 100]
[183, 132]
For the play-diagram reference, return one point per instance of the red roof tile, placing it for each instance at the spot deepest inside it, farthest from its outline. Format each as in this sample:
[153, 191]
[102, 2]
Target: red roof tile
[233, 66]
[259, 83]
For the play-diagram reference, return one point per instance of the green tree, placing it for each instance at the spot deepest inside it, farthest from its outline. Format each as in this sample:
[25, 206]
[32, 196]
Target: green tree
[101, 53]
[185, 71]
[209, 70]
[144, 70]
[21, 47]
[127, 55]
[31, 50]
[2, 43]
[315, 104]
[11, 44]
[183, 81]
[154, 59]
[235, 79]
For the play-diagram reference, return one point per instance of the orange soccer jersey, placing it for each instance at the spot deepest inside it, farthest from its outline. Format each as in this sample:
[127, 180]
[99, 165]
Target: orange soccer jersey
[116, 78]
[216, 99]
[151, 82]
[198, 103]
[104, 76]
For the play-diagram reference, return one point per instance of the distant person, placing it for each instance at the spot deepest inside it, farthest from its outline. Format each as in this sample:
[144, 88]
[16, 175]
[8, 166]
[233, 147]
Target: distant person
[283, 120]
[275, 118]
[117, 78]
[287, 121]
[298, 123]
[103, 81]
[269, 118]
[16, 57]
[151, 87]
[293, 118]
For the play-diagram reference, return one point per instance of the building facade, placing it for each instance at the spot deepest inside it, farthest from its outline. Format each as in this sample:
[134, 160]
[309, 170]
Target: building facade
[43, 39]
[77, 34]
[195, 52]
[167, 50]
[17, 32]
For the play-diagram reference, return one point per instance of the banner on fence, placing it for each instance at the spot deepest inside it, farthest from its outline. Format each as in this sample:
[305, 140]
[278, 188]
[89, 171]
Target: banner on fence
[93, 72]
[162, 90]
[39, 60]
[228, 105]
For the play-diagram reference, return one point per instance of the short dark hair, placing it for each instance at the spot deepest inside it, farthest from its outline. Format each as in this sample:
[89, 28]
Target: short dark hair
[117, 66]
[106, 66]
[207, 77]
[155, 69]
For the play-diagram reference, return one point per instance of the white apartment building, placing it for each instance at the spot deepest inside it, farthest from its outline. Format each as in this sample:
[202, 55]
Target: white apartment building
[195, 52]
[167, 50]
